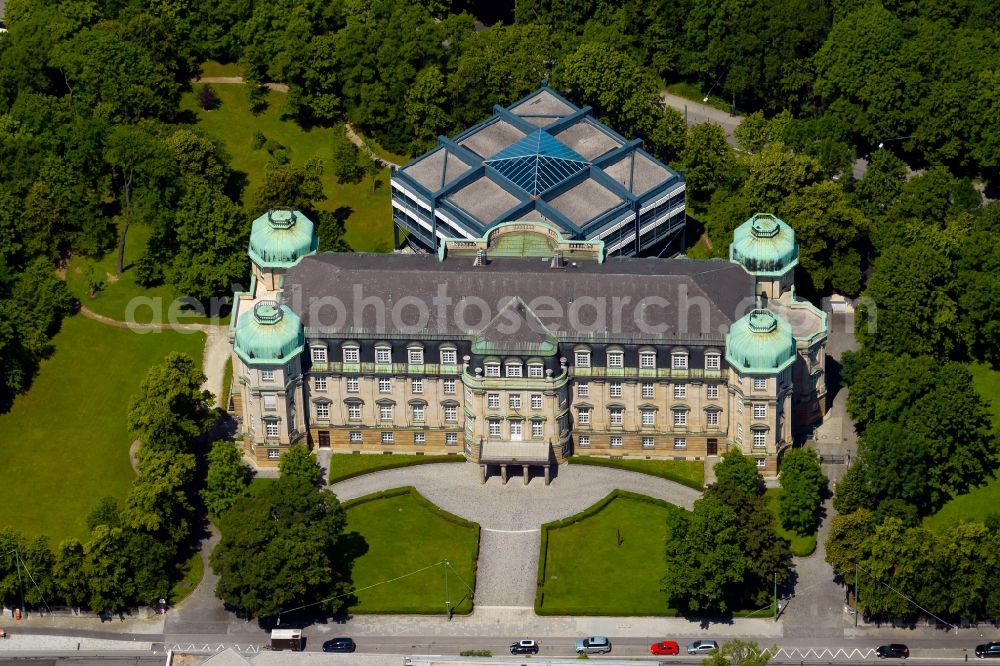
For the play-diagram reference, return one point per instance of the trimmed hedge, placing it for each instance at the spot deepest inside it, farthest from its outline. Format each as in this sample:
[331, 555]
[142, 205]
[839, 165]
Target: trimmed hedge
[626, 465]
[387, 462]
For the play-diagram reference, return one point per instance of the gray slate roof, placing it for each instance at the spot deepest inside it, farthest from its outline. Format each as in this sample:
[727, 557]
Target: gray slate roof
[702, 297]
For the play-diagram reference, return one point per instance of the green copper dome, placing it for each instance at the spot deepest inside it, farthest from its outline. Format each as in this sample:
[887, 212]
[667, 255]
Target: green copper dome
[764, 245]
[270, 335]
[279, 238]
[760, 343]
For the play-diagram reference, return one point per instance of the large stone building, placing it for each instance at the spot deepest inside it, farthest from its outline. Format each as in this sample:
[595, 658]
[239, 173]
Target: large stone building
[540, 159]
[521, 347]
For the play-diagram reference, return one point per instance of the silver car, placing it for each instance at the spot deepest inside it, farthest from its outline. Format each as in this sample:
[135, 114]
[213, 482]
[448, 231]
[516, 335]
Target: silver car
[702, 647]
[593, 645]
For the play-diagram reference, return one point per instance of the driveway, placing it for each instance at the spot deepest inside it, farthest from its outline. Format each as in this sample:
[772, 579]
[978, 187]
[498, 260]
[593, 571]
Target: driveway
[696, 112]
[513, 507]
[511, 515]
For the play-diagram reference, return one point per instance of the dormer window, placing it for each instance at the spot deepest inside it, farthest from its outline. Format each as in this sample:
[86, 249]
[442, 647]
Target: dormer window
[647, 359]
[319, 354]
[581, 358]
[616, 359]
[383, 354]
[352, 354]
[679, 360]
[492, 369]
[536, 370]
[415, 355]
[449, 357]
[713, 362]
[514, 369]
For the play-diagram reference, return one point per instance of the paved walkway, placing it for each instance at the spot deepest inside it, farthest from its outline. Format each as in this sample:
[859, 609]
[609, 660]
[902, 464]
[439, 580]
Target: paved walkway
[277, 87]
[515, 506]
[696, 112]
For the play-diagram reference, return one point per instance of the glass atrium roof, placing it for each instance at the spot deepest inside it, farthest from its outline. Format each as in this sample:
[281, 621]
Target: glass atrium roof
[538, 162]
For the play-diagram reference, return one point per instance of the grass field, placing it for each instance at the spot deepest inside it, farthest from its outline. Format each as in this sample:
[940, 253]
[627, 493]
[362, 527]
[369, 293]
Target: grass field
[64, 443]
[407, 534]
[691, 473]
[192, 570]
[348, 465]
[113, 299]
[587, 571]
[801, 546]
[975, 505]
[369, 221]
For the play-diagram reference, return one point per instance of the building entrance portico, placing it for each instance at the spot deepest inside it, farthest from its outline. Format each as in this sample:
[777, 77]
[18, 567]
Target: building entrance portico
[515, 453]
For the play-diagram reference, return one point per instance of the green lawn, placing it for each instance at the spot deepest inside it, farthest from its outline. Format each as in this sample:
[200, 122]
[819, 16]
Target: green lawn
[213, 68]
[406, 533]
[801, 546]
[348, 465]
[191, 572]
[369, 220]
[975, 505]
[64, 442]
[690, 473]
[587, 571]
[119, 290]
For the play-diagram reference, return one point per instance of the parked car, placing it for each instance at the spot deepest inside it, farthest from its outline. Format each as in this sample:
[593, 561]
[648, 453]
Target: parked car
[340, 645]
[593, 645]
[988, 650]
[702, 647]
[892, 651]
[524, 646]
[665, 647]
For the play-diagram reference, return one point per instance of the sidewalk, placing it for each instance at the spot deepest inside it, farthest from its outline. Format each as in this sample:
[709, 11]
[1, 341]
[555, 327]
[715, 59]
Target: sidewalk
[513, 620]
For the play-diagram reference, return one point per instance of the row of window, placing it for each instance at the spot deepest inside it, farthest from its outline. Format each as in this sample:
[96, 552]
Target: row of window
[513, 400]
[647, 389]
[386, 412]
[389, 437]
[383, 354]
[514, 369]
[616, 417]
[680, 444]
[448, 386]
[647, 359]
[515, 429]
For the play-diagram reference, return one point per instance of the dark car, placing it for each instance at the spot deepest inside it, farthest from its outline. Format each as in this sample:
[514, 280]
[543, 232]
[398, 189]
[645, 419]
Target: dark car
[892, 651]
[988, 650]
[525, 646]
[340, 645]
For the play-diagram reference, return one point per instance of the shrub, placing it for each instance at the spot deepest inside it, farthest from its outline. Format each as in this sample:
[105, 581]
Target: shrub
[258, 140]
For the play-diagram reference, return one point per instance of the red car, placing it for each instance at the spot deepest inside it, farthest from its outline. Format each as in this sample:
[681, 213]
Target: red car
[665, 647]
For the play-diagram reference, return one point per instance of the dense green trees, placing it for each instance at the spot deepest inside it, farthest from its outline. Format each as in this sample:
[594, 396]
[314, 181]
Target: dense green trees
[171, 408]
[923, 420]
[227, 477]
[802, 484]
[282, 546]
[947, 572]
[725, 555]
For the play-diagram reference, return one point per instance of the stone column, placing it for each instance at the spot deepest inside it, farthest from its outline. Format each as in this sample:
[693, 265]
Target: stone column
[482, 473]
[548, 474]
[503, 473]
[524, 472]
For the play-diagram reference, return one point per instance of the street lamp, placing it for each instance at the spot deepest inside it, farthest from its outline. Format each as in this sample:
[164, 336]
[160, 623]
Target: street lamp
[895, 138]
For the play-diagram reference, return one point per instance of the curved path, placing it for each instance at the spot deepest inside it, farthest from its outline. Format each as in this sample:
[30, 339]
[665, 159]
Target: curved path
[214, 357]
[511, 515]
[515, 506]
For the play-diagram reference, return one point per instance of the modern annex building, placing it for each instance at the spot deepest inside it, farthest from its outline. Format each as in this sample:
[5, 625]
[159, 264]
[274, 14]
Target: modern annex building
[540, 159]
[521, 347]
